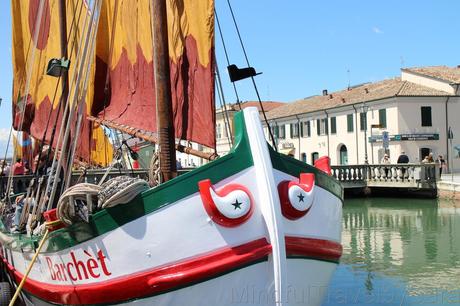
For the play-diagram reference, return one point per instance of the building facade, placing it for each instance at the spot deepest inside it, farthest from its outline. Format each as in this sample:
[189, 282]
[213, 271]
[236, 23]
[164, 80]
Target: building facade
[416, 113]
[224, 122]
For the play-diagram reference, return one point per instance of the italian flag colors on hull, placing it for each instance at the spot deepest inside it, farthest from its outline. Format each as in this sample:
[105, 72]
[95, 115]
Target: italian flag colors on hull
[252, 227]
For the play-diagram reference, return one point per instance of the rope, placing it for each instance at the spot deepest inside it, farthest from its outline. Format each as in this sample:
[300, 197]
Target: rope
[252, 78]
[32, 262]
[68, 203]
[120, 190]
[226, 56]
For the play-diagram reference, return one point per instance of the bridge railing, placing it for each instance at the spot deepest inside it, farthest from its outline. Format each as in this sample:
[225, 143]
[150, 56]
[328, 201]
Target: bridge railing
[387, 173]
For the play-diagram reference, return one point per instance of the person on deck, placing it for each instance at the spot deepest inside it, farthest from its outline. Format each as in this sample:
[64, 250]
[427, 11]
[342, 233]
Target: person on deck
[18, 169]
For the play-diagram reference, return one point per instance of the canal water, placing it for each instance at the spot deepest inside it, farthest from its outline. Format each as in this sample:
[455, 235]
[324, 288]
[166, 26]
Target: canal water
[398, 252]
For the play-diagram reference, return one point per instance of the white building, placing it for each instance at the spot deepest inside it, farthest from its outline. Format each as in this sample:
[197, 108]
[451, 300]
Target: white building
[224, 122]
[412, 112]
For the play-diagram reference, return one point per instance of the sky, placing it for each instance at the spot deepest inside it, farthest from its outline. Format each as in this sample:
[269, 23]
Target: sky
[302, 47]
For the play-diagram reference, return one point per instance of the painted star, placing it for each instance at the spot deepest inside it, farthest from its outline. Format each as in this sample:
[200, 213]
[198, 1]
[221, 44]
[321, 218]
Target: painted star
[301, 196]
[237, 204]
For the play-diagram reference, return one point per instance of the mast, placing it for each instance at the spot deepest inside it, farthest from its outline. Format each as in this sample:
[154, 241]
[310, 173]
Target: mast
[165, 127]
[64, 73]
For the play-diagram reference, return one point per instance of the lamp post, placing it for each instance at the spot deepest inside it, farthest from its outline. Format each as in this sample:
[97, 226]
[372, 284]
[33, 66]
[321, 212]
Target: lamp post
[364, 109]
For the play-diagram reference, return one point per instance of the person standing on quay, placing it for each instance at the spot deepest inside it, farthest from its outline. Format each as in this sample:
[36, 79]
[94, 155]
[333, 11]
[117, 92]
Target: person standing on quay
[441, 164]
[403, 159]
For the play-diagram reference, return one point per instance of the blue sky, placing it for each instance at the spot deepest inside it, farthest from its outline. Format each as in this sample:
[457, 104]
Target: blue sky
[303, 46]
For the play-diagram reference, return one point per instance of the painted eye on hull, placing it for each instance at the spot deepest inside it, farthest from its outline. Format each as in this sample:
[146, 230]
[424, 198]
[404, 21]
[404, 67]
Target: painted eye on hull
[297, 197]
[230, 206]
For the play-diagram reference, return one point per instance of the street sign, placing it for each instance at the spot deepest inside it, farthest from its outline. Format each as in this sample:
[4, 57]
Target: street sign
[386, 140]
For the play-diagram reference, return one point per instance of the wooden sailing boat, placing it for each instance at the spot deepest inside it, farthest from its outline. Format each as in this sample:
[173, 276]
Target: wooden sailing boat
[251, 227]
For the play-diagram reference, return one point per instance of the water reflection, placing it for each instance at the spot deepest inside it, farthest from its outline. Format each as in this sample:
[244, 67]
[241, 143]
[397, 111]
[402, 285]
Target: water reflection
[410, 246]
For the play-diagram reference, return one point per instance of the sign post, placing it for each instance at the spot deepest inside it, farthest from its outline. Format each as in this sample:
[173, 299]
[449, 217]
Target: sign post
[450, 136]
[386, 141]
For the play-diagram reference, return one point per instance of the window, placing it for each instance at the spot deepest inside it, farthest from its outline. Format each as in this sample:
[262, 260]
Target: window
[218, 131]
[321, 126]
[282, 131]
[294, 130]
[333, 125]
[314, 157]
[363, 121]
[426, 116]
[306, 129]
[383, 118]
[350, 122]
[275, 131]
[304, 157]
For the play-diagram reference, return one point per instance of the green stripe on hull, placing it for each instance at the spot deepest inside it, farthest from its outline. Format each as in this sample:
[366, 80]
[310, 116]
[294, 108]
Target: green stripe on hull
[294, 167]
[238, 159]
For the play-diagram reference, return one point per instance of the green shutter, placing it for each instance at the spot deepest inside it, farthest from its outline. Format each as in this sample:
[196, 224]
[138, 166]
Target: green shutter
[308, 129]
[333, 125]
[426, 116]
[350, 123]
[383, 118]
[302, 124]
[326, 124]
[362, 121]
[318, 129]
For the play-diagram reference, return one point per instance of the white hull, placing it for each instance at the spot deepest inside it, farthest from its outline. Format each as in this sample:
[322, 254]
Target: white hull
[179, 254]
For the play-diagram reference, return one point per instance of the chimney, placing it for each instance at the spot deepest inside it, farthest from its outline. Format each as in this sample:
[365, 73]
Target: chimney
[324, 92]
[458, 66]
[330, 96]
[366, 90]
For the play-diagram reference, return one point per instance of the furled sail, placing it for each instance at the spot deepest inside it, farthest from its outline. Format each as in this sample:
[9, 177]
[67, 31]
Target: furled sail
[31, 54]
[125, 89]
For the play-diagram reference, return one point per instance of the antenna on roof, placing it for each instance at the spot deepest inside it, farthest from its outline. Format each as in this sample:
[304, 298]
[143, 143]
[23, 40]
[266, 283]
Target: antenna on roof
[402, 61]
[348, 76]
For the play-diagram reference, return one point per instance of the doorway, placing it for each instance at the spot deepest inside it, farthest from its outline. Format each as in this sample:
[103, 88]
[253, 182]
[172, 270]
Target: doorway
[424, 152]
[343, 155]
[314, 157]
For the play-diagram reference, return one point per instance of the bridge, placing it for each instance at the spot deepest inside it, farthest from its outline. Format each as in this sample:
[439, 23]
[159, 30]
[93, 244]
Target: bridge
[409, 178]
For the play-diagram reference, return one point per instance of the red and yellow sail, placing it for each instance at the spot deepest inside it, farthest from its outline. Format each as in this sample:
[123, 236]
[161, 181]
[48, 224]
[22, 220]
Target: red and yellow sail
[125, 63]
[44, 92]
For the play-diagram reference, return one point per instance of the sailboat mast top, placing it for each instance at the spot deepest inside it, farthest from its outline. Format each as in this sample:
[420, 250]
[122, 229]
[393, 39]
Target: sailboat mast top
[165, 125]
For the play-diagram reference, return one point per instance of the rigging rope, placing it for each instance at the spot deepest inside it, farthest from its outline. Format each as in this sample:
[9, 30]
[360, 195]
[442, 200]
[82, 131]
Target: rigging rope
[252, 78]
[29, 61]
[223, 106]
[226, 56]
[70, 109]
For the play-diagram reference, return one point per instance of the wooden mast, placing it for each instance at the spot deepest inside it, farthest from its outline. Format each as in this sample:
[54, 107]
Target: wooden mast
[165, 127]
[64, 73]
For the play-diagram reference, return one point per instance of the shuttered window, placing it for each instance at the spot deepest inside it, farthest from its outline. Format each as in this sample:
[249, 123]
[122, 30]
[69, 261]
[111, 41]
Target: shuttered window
[333, 125]
[350, 122]
[294, 129]
[426, 116]
[383, 118]
[362, 121]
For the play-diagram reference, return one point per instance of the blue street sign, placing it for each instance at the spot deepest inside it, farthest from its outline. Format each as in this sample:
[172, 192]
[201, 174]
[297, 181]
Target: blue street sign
[386, 140]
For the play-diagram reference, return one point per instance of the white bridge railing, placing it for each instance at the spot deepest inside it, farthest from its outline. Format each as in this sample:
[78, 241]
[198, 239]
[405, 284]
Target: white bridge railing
[388, 175]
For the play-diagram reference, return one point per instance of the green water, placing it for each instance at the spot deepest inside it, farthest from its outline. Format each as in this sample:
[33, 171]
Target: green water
[398, 252]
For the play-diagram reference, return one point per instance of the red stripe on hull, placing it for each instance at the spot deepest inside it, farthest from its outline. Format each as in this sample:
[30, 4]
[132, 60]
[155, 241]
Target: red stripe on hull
[150, 282]
[314, 248]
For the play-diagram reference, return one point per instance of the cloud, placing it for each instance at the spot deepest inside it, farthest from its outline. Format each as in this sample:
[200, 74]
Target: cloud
[377, 30]
[4, 134]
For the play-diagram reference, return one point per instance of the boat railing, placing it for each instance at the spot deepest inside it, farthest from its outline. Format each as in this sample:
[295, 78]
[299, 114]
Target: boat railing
[21, 182]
